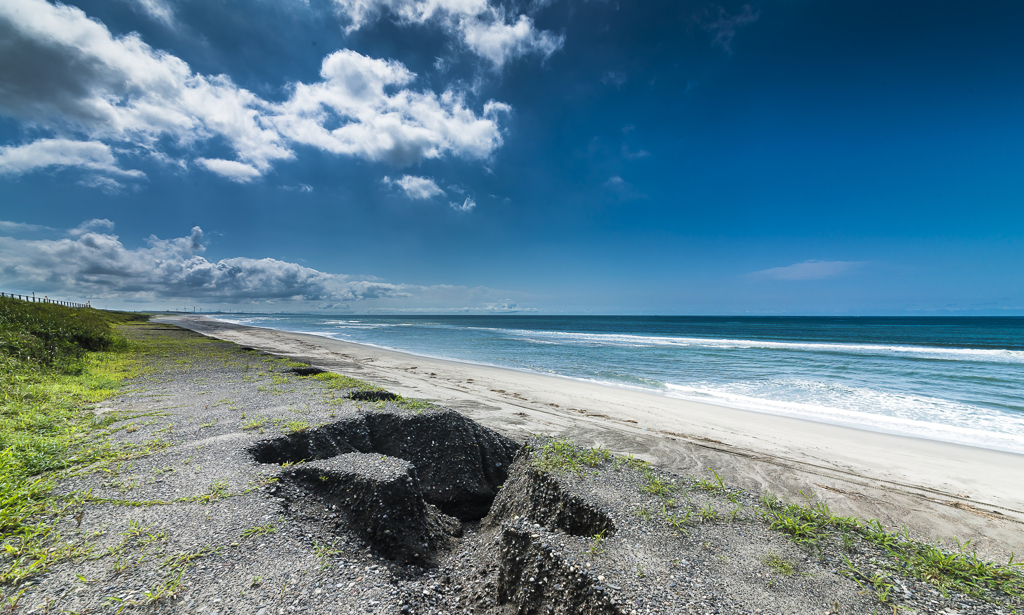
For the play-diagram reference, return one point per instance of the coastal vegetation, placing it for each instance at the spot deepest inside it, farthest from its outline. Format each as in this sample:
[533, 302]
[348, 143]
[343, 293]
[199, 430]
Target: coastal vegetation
[56, 362]
[812, 523]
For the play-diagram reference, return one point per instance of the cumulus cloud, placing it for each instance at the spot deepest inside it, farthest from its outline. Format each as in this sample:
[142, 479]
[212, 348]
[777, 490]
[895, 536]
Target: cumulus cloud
[486, 30]
[811, 270]
[465, 207]
[724, 26]
[401, 128]
[96, 263]
[67, 73]
[415, 187]
[93, 263]
[490, 37]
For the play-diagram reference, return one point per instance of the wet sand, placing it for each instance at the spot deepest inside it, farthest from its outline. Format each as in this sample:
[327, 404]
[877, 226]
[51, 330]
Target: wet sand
[939, 491]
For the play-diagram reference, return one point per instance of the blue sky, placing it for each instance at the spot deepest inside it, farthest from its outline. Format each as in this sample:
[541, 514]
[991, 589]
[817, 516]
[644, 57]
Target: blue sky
[793, 156]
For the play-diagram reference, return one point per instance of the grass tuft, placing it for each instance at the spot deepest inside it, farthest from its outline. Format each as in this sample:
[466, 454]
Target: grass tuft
[259, 530]
[339, 382]
[561, 455]
[779, 564]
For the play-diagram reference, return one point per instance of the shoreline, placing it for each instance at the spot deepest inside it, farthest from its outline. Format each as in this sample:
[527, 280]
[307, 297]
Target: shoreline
[937, 489]
[907, 428]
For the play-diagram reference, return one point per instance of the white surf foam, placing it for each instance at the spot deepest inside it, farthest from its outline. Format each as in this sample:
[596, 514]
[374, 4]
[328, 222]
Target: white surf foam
[639, 341]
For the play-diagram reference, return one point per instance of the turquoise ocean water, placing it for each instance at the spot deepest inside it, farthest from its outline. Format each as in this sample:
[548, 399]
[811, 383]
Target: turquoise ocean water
[952, 379]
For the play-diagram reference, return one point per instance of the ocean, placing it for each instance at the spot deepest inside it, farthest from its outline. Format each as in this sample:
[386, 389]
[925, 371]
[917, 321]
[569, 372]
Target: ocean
[952, 379]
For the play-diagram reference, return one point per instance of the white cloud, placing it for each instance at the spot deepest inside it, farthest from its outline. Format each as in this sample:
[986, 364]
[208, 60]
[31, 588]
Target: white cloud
[46, 153]
[93, 263]
[106, 184]
[415, 187]
[21, 227]
[631, 155]
[506, 307]
[67, 73]
[91, 226]
[614, 78]
[491, 38]
[811, 270]
[235, 171]
[623, 189]
[96, 263]
[483, 28]
[158, 10]
[724, 26]
[466, 206]
[400, 128]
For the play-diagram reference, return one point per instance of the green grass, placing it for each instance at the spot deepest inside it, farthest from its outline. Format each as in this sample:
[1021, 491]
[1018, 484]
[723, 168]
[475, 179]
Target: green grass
[713, 486]
[708, 514]
[337, 382]
[416, 405]
[813, 522]
[561, 455]
[597, 543]
[254, 423]
[679, 522]
[295, 426]
[657, 486]
[326, 552]
[57, 336]
[55, 363]
[630, 462]
[806, 524]
[259, 530]
[779, 564]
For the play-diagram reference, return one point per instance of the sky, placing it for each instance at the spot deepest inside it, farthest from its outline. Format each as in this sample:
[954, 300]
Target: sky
[844, 157]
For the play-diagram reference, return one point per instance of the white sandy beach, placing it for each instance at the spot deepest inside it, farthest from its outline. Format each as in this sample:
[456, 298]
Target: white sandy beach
[940, 491]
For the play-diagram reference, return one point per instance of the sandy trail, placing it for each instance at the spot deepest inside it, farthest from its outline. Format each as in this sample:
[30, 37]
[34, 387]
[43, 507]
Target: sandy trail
[939, 491]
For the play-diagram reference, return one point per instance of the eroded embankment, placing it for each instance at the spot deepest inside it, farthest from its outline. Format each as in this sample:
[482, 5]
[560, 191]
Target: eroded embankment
[459, 464]
[392, 477]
